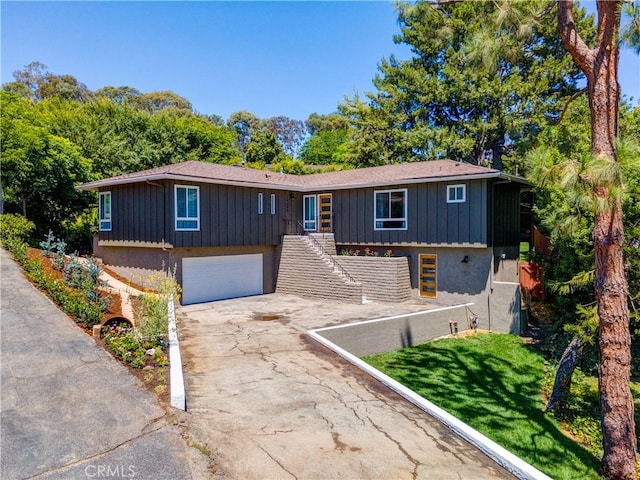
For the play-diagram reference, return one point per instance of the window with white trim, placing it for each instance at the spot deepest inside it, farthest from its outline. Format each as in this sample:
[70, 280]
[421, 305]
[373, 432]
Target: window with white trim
[187, 207]
[456, 193]
[104, 211]
[273, 204]
[260, 203]
[390, 208]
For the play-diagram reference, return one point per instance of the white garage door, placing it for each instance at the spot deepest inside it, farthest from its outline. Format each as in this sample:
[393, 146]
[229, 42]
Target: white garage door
[205, 279]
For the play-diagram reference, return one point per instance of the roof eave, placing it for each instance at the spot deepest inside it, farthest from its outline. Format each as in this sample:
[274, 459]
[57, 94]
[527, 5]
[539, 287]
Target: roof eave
[301, 188]
[182, 178]
[514, 178]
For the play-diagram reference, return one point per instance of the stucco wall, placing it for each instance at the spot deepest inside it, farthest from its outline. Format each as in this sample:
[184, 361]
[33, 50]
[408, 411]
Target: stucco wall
[485, 280]
[137, 263]
[393, 333]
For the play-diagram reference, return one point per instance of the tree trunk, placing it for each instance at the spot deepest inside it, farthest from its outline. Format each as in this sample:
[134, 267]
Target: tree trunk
[497, 151]
[600, 66]
[562, 382]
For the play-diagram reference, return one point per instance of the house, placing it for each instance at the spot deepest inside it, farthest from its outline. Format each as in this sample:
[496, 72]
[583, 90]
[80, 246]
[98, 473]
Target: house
[453, 228]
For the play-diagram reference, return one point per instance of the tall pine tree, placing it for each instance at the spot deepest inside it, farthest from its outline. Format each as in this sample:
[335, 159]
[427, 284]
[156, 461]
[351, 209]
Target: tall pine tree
[469, 92]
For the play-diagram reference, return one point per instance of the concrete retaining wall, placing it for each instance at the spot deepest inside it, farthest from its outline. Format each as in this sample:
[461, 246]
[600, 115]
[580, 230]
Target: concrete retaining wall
[384, 279]
[392, 333]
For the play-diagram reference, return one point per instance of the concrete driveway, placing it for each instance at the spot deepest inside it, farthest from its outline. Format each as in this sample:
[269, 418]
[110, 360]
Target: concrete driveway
[273, 404]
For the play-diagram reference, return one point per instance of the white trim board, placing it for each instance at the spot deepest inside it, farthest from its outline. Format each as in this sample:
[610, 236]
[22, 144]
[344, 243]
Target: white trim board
[499, 454]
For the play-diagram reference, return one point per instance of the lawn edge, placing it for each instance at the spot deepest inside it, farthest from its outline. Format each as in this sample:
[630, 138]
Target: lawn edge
[499, 454]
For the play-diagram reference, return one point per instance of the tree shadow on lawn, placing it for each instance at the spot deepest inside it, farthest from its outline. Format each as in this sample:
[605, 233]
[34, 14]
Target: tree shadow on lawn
[500, 399]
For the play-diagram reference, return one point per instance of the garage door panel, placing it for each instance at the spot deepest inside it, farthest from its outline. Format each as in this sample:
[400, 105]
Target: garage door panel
[205, 279]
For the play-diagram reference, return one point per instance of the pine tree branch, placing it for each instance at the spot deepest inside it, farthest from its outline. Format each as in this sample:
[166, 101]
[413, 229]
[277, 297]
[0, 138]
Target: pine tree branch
[566, 105]
[572, 40]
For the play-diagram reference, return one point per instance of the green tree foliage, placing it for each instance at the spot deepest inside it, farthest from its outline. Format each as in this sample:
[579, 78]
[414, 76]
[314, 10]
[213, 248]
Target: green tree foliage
[448, 100]
[150, 102]
[264, 148]
[37, 83]
[160, 100]
[325, 147]
[630, 30]
[565, 205]
[290, 133]
[123, 138]
[328, 140]
[39, 170]
[56, 134]
[245, 125]
[321, 123]
[118, 95]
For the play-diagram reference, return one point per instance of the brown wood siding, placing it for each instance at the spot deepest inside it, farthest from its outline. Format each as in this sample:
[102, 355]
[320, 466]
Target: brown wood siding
[430, 219]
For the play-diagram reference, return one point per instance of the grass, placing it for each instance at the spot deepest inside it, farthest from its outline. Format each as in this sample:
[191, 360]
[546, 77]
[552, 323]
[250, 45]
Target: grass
[493, 383]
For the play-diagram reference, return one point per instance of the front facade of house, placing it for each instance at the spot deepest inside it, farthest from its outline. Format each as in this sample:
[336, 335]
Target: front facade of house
[222, 227]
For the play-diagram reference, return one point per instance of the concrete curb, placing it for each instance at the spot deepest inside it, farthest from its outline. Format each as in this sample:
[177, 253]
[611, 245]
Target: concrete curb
[178, 396]
[500, 455]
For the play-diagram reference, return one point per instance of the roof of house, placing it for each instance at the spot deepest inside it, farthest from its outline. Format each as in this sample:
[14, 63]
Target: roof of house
[400, 173]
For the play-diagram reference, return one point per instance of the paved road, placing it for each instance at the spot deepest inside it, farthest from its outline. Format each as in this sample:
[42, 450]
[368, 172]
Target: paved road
[277, 405]
[71, 411]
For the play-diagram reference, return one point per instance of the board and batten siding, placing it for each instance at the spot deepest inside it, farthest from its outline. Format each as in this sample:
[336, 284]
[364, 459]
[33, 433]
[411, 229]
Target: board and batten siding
[229, 217]
[430, 219]
[145, 213]
[137, 213]
[506, 214]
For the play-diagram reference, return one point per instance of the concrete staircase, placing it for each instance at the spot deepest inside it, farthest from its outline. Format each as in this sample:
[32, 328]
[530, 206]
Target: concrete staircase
[308, 270]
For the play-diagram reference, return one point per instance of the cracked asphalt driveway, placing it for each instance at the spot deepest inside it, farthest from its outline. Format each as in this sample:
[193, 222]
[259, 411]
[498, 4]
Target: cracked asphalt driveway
[272, 403]
[69, 410]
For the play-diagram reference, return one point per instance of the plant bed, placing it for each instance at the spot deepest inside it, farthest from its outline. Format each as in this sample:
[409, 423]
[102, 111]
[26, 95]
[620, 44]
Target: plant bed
[145, 359]
[45, 277]
[152, 370]
[144, 349]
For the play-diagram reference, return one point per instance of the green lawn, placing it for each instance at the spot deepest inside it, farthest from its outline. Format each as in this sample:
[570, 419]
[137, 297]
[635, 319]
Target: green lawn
[492, 382]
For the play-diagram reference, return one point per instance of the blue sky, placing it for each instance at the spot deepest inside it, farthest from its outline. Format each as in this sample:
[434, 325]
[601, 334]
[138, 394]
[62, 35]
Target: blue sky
[271, 58]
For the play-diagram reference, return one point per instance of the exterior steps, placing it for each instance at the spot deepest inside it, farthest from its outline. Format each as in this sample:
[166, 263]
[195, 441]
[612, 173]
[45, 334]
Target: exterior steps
[308, 270]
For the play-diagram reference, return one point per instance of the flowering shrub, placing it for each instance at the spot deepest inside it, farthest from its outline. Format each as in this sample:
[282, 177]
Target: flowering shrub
[129, 347]
[368, 252]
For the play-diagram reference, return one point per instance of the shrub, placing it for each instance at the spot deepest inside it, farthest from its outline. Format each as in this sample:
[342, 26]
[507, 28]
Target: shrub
[15, 227]
[15, 232]
[73, 302]
[79, 233]
[48, 244]
[153, 314]
[124, 345]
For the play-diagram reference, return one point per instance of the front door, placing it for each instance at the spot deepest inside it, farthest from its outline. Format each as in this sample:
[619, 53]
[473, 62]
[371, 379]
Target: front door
[324, 201]
[310, 213]
[428, 275]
